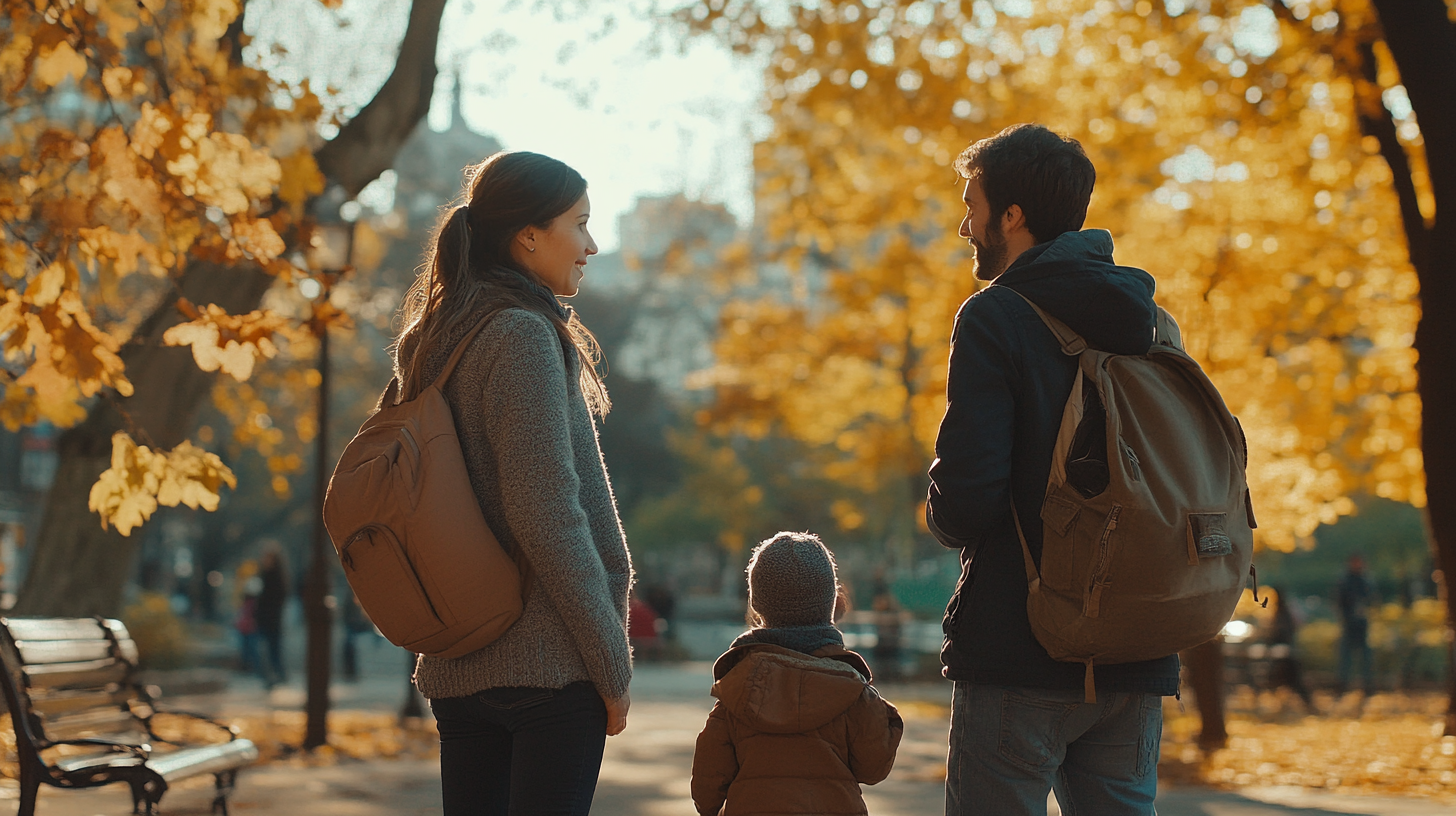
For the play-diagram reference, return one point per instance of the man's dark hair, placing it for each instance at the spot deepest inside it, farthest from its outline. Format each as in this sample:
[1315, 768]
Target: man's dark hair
[1048, 175]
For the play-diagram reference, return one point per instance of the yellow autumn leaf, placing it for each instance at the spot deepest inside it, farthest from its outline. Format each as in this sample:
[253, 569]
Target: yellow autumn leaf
[299, 178]
[13, 55]
[211, 354]
[12, 314]
[118, 18]
[140, 479]
[150, 130]
[45, 288]
[255, 238]
[17, 409]
[117, 80]
[193, 477]
[124, 249]
[210, 18]
[52, 67]
[227, 171]
[125, 495]
[55, 397]
[369, 247]
[232, 343]
[14, 258]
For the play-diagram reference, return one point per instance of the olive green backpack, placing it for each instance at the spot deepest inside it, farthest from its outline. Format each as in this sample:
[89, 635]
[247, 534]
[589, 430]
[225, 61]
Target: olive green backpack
[1147, 523]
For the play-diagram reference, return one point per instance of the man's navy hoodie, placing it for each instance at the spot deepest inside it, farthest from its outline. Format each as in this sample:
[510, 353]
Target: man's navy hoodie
[1008, 383]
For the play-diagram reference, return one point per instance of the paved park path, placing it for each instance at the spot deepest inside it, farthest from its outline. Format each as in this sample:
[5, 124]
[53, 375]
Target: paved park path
[645, 773]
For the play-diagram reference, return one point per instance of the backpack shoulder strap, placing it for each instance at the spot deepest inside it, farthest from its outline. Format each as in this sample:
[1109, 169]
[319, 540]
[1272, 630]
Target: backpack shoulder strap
[1072, 343]
[461, 347]
[1168, 333]
[392, 394]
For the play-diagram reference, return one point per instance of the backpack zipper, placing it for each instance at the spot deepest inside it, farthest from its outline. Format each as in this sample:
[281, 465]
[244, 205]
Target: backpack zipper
[1091, 606]
[414, 446]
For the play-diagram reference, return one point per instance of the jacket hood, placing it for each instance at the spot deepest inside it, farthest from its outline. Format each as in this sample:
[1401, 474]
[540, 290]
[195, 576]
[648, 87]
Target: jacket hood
[781, 691]
[1073, 278]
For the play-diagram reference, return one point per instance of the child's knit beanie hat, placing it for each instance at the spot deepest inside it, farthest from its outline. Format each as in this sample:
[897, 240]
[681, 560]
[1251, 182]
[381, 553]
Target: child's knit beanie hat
[792, 581]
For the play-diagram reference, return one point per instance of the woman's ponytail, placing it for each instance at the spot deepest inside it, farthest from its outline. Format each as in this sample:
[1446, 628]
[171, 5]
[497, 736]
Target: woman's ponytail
[444, 286]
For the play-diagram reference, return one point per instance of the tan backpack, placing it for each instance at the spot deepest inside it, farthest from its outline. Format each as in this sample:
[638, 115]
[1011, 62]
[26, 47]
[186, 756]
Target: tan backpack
[409, 532]
[1147, 524]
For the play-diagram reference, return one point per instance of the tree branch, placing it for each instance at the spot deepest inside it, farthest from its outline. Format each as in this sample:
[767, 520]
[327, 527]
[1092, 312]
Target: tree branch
[1382, 127]
[1422, 39]
[367, 145]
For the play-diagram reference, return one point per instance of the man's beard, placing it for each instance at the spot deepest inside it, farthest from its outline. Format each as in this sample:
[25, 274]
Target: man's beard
[990, 256]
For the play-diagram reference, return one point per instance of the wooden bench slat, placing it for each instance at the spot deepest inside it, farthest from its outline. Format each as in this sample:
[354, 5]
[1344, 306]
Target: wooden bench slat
[104, 722]
[54, 704]
[128, 649]
[85, 674]
[201, 759]
[117, 628]
[54, 628]
[83, 762]
[34, 652]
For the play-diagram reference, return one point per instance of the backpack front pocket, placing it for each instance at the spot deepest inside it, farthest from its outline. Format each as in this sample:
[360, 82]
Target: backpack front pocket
[384, 581]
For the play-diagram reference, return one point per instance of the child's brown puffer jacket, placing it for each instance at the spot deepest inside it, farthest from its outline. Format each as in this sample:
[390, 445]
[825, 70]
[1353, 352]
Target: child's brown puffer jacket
[792, 733]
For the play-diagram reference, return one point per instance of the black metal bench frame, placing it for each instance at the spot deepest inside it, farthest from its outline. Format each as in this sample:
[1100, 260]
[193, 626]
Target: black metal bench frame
[103, 687]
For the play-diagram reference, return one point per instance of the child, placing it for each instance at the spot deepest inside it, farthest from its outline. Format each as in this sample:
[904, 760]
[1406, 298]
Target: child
[797, 725]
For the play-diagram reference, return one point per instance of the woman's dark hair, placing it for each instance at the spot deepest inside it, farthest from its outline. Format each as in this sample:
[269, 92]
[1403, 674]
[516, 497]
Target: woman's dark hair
[470, 262]
[1047, 175]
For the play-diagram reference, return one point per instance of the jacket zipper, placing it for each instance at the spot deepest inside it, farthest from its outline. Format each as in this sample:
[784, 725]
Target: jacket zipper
[1092, 604]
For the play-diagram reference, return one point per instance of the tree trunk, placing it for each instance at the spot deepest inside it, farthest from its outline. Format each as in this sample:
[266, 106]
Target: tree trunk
[77, 567]
[1422, 38]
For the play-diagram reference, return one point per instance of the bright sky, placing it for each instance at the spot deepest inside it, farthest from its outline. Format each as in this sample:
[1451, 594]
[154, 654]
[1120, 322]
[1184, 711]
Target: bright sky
[596, 83]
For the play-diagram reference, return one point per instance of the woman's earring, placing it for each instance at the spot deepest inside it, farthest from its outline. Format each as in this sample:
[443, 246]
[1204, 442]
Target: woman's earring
[531, 249]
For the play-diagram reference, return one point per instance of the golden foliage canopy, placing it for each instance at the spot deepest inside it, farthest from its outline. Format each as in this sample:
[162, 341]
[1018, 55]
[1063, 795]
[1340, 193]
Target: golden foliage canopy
[134, 141]
[1231, 167]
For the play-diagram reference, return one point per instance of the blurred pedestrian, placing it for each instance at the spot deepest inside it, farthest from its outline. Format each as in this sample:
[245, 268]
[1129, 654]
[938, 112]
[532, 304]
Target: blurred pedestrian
[246, 622]
[797, 726]
[642, 629]
[523, 721]
[1285, 669]
[663, 600]
[272, 595]
[889, 634]
[1353, 597]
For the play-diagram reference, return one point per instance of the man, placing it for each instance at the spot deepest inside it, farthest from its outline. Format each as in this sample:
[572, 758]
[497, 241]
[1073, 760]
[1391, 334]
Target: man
[1019, 726]
[1354, 596]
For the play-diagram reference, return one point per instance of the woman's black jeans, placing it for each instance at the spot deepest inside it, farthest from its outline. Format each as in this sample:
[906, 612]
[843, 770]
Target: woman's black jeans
[519, 751]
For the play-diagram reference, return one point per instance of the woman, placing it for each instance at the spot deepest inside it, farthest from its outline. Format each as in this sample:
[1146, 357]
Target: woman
[523, 721]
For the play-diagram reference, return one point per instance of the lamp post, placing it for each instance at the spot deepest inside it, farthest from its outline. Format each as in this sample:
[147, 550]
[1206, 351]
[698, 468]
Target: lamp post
[331, 254]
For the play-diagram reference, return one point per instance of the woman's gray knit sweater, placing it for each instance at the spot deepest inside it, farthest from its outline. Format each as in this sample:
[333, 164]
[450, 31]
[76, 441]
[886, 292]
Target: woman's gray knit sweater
[531, 448]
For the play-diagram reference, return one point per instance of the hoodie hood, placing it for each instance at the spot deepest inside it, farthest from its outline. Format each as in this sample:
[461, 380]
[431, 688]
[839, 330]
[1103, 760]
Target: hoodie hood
[781, 691]
[1073, 278]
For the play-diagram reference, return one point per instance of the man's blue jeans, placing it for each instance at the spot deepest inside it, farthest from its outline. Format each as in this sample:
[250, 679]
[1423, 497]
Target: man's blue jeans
[1010, 746]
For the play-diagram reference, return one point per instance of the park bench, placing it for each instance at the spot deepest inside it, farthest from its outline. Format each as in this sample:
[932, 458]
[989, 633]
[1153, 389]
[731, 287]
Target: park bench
[81, 719]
